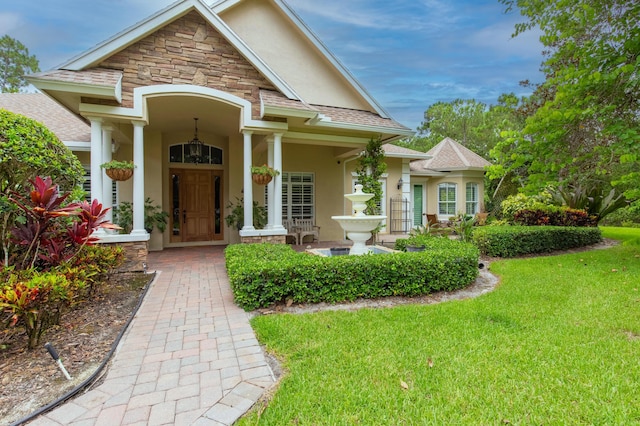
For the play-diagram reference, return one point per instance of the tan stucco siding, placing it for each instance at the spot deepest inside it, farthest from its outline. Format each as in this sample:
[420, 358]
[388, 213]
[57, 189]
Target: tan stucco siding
[270, 34]
[460, 180]
[187, 51]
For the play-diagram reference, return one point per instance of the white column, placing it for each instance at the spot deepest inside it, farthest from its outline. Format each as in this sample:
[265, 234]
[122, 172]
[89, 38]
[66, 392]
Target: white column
[96, 158]
[248, 184]
[406, 179]
[107, 191]
[271, 211]
[138, 178]
[277, 182]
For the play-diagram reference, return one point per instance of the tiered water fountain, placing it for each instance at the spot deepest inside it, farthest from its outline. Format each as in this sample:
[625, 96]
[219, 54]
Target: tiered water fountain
[359, 225]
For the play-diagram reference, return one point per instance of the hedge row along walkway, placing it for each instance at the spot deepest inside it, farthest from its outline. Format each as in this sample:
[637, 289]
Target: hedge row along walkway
[190, 356]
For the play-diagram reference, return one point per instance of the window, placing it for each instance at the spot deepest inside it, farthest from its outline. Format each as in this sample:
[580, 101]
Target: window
[447, 199]
[298, 196]
[180, 154]
[472, 198]
[86, 186]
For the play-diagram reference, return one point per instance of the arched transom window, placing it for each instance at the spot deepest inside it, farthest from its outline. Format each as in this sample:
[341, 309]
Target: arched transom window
[179, 153]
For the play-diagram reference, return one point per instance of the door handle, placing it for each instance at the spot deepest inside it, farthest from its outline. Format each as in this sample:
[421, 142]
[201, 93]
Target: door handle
[184, 216]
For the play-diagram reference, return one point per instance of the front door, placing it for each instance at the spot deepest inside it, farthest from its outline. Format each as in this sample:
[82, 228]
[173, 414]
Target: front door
[196, 205]
[417, 205]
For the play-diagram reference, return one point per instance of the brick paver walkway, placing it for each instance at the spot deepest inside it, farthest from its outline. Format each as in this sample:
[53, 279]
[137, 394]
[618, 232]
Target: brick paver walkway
[189, 357]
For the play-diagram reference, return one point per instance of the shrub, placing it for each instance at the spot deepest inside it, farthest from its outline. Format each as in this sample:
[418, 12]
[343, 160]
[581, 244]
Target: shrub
[51, 232]
[27, 148]
[628, 216]
[514, 203]
[554, 216]
[510, 241]
[54, 260]
[263, 274]
[36, 300]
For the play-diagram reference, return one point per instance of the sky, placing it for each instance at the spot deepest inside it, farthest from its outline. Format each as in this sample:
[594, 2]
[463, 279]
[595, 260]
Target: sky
[408, 54]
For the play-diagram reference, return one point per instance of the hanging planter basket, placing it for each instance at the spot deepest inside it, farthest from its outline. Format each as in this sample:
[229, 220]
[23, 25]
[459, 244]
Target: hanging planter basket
[119, 174]
[262, 179]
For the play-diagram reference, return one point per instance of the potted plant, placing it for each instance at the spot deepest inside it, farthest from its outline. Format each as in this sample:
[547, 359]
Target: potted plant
[236, 217]
[118, 170]
[154, 216]
[262, 175]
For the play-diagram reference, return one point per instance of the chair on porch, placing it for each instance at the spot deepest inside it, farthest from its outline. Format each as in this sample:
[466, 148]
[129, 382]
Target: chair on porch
[432, 221]
[292, 231]
[306, 227]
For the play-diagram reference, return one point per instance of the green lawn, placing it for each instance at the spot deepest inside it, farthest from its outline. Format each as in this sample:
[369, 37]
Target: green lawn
[558, 342]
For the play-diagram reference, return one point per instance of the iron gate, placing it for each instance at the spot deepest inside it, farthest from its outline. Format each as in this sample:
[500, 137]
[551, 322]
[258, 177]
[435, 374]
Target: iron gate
[400, 220]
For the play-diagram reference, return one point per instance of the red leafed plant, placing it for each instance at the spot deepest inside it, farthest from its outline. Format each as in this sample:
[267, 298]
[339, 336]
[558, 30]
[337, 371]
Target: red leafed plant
[53, 263]
[53, 232]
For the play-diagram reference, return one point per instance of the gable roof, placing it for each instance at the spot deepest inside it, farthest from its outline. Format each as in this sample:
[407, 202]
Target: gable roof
[450, 155]
[67, 126]
[159, 19]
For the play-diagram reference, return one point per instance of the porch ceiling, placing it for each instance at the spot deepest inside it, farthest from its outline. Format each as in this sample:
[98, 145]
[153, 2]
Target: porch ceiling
[171, 113]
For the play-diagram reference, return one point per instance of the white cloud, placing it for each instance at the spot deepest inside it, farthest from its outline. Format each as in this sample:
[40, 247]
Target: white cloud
[9, 22]
[497, 38]
[399, 15]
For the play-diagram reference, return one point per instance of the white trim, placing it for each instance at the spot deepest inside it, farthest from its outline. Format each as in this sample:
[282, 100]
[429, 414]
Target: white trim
[140, 112]
[95, 90]
[158, 20]
[123, 238]
[280, 111]
[78, 146]
[328, 123]
[408, 156]
[322, 137]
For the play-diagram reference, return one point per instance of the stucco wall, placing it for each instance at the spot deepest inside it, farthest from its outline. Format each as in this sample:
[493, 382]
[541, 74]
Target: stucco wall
[461, 180]
[283, 47]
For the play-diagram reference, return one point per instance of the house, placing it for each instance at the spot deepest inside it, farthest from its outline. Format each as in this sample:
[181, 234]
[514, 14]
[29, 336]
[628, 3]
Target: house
[196, 94]
[448, 183]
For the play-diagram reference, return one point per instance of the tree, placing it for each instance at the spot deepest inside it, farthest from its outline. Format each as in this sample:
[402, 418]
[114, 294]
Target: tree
[370, 168]
[15, 63]
[584, 130]
[469, 122]
[28, 149]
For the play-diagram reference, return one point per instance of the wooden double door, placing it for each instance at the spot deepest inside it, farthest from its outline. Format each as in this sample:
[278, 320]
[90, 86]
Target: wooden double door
[197, 205]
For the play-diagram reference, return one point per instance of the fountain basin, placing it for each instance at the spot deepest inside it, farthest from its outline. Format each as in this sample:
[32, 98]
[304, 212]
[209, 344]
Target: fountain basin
[359, 223]
[358, 229]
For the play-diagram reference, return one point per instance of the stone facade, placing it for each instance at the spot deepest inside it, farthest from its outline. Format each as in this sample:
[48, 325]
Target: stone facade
[188, 51]
[273, 239]
[135, 256]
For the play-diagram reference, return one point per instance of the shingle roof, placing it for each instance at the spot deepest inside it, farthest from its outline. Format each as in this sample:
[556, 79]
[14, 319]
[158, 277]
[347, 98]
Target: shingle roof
[450, 155]
[395, 149]
[95, 76]
[337, 115]
[67, 126]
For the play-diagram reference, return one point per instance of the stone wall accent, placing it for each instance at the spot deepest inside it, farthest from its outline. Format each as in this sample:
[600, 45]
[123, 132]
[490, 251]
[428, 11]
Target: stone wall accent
[135, 256]
[188, 51]
[273, 239]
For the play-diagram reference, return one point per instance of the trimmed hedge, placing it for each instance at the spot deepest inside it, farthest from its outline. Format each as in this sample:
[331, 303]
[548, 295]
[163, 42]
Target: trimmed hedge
[263, 274]
[510, 241]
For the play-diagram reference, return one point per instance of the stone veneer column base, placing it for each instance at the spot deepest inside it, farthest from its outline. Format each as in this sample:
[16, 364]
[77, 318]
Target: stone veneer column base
[135, 253]
[273, 239]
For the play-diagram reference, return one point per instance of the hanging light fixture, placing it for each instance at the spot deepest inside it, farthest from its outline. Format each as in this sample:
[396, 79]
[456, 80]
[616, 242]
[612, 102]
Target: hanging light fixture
[195, 146]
